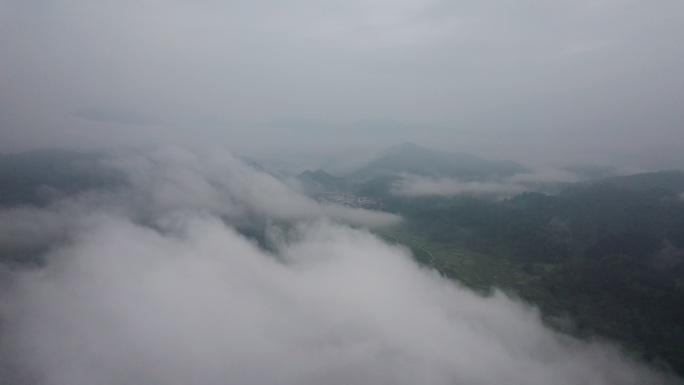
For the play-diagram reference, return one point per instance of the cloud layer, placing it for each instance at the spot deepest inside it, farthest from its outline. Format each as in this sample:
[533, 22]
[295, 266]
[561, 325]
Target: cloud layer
[175, 295]
[212, 180]
[412, 185]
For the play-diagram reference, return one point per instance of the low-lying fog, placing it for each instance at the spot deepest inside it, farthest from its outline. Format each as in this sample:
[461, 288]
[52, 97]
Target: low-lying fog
[150, 282]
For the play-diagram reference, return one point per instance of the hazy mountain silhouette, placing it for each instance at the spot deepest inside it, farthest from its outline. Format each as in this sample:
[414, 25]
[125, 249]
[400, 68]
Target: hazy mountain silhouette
[413, 159]
[672, 180]
[321, 181]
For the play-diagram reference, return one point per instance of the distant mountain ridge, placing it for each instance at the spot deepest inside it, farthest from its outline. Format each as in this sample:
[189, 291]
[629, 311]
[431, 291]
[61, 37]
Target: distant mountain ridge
[670, 180]
[410, 158]
[321, 181]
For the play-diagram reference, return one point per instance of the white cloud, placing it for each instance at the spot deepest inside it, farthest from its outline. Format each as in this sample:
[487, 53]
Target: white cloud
[415, 185]
[202, 305]
[188, 300]
[210, 179]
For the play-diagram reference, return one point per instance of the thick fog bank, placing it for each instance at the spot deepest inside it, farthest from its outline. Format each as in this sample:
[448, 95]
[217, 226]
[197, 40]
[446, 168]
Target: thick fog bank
[152, 284]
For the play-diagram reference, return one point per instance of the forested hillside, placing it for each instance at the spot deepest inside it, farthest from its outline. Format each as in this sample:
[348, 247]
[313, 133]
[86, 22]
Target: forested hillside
[607, 255]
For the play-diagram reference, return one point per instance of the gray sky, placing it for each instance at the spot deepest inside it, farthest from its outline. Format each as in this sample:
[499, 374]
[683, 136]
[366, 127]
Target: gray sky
[589, 80]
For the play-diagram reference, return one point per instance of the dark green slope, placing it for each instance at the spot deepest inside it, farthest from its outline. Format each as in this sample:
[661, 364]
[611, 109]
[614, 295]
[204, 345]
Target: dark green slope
[608, 255]
[36, 177]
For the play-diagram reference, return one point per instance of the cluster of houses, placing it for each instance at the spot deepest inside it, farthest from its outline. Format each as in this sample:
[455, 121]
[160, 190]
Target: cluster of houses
[350, 200]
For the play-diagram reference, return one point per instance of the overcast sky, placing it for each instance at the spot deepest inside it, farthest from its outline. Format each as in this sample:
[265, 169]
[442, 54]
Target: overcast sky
[589, 80]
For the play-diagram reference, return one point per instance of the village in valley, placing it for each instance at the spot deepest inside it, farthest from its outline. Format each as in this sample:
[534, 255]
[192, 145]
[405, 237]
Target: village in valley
[349, 200]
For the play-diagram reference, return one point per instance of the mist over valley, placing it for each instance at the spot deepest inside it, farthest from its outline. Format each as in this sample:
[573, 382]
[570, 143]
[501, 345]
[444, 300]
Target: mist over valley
[341, 192]
[165, 264]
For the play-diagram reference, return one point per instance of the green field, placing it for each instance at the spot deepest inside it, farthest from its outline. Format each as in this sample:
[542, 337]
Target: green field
[477, 270]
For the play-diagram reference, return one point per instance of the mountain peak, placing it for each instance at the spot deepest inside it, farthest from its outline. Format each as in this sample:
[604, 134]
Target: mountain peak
[413, 159]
